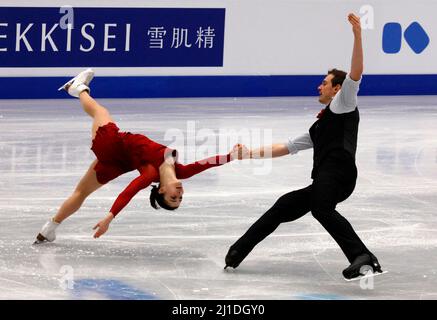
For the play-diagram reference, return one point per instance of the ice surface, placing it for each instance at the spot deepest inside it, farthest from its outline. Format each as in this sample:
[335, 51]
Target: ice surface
[148, 254]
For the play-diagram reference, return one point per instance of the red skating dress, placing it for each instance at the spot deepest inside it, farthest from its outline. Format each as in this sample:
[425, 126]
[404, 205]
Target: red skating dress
[120, 152]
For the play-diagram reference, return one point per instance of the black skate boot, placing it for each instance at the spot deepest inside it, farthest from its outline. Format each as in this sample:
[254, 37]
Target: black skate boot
[361, 266]
[234, 258]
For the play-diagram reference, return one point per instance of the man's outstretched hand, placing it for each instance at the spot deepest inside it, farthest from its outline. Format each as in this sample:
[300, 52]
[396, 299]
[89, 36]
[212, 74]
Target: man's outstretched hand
[355, 22]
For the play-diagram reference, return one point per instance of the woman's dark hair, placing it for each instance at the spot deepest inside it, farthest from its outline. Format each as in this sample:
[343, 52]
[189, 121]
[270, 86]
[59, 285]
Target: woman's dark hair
[339, 76]
[156, 197]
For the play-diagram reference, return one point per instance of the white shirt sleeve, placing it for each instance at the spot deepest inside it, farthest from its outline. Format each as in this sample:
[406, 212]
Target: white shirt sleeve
[346, 99]
[300, 143]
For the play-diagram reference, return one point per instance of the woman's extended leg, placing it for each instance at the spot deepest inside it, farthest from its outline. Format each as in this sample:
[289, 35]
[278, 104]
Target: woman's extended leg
[87, 185]
[78, 87]
[99, 113]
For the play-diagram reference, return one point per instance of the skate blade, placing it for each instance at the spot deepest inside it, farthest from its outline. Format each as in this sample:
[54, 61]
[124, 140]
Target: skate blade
[70, 82]
[40, 239]
[64, 87]
[370, 275]
[67, 84]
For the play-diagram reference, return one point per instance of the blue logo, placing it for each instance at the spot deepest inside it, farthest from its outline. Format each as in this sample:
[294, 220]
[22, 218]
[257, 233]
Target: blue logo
[109, 289]
[415, 36]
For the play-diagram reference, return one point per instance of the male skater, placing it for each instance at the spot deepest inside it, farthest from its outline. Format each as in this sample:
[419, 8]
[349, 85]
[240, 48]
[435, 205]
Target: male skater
[334, 140]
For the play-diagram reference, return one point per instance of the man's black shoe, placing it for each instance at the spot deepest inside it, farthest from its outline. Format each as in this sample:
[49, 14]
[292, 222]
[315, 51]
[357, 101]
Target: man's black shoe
[234, 258]
[361, 265]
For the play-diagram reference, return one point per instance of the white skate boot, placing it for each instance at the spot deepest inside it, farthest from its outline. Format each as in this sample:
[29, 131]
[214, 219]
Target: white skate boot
[47, 232]
[79, 83]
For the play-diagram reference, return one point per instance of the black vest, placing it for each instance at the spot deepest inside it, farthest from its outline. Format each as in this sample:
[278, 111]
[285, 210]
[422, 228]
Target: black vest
[334, 132]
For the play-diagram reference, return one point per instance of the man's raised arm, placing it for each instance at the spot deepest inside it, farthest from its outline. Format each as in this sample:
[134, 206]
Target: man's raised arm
[357, 53]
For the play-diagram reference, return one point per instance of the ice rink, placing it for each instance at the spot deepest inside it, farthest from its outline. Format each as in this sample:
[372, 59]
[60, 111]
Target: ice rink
[148, 254]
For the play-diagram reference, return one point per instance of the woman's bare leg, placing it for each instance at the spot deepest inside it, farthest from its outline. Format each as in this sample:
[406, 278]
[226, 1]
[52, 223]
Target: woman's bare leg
[99, 113]
[87, 185]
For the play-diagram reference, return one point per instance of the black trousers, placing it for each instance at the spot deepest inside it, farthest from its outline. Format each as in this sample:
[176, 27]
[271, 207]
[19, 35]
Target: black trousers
[334, 182]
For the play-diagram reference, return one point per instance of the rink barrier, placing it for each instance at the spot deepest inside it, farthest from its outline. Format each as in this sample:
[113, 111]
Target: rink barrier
[212, 86]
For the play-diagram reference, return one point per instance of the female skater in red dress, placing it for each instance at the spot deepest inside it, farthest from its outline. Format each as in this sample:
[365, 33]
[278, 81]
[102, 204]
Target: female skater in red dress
[121, 152]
